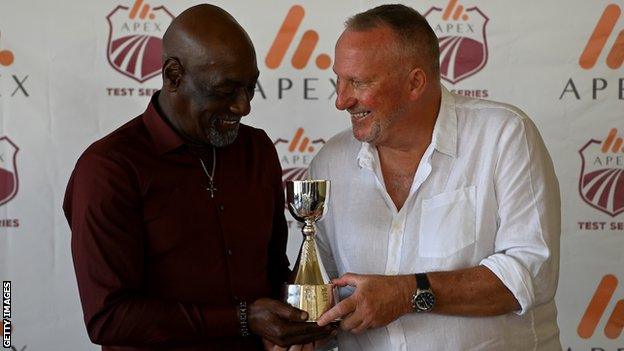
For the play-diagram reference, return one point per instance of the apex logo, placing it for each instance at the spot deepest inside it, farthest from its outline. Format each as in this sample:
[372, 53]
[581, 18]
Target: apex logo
[596, 308]
[463, 43]
[601, 183]
[601, 34]
[297, 143]
[145, 11]
[612, 143]
[6, 56]
[135, 39]
[296, 157]
[304, 49]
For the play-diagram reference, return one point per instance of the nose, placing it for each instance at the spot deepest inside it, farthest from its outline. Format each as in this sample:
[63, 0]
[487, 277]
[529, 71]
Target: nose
[241, 105]
[344, 95]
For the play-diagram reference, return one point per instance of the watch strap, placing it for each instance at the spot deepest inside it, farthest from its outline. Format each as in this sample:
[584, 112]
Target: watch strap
[422, 282]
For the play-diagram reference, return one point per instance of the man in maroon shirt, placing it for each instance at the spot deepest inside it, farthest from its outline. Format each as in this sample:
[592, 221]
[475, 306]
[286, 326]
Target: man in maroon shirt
[178, 229]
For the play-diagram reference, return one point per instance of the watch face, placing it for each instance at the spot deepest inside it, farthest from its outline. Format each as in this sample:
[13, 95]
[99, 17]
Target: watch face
[424, 301]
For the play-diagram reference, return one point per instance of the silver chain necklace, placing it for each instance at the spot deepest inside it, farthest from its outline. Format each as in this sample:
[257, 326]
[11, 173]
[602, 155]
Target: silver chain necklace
[210, 176]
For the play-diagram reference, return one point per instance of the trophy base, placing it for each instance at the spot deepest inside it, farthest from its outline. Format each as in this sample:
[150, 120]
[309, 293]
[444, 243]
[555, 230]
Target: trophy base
[314, 299]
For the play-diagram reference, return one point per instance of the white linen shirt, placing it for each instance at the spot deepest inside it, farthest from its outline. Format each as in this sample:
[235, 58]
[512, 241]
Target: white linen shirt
[485, 193]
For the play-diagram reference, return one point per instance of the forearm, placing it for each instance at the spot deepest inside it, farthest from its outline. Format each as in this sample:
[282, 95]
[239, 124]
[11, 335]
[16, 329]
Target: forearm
[473, 291]
[134, 320]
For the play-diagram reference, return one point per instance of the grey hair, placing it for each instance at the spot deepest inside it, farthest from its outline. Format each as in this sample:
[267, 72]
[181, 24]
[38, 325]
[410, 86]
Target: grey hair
[415, 35]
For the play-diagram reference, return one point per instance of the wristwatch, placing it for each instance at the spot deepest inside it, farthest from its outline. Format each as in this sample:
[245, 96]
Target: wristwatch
[423, 299]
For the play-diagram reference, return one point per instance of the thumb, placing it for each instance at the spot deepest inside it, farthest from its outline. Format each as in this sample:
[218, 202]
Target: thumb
[290, 313]
[350, 279]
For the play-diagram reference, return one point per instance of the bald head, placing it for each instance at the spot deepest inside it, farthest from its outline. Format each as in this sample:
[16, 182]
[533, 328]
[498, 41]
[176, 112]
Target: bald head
[209, 75]
[201, 33]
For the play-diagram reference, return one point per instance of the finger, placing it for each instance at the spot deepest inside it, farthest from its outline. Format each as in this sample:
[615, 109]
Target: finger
[288, 312]
[308, 347]
[347, 279]
[343, 308]
[351, 321]
[285, 333]
[268, 346]
[303, 328]
[295, 348]
[302, 333]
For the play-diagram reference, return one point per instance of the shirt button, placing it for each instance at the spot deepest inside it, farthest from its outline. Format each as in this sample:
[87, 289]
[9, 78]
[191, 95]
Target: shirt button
[229, 252]
[221, 207]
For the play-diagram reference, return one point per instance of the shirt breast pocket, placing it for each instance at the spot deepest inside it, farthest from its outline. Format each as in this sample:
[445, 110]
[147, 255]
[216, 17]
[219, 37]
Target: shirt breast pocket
[447, 223]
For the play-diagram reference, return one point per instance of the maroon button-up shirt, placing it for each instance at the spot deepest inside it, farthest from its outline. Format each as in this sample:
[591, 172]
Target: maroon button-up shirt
[160, 264]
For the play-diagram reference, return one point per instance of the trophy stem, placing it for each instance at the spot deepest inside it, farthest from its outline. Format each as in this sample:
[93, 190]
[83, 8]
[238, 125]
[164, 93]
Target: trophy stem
[310, 271]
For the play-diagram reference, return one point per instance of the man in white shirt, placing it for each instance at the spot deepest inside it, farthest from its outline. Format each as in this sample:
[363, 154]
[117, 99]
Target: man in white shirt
[441, 204]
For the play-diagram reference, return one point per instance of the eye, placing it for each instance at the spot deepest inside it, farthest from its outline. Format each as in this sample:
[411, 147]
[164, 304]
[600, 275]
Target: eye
[226, 91]
[220, 93]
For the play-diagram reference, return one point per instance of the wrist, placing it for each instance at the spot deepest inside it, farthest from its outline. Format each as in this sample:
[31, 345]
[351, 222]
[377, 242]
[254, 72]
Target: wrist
[243, 320]
[409, 284]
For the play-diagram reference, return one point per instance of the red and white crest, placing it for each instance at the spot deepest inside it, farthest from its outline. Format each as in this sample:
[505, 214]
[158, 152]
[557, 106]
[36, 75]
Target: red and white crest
[8, 170]
[135, 39]
[462, 38]
[601, 183]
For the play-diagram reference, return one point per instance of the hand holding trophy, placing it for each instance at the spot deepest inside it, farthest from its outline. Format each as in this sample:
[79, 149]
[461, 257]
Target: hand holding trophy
[311, 289]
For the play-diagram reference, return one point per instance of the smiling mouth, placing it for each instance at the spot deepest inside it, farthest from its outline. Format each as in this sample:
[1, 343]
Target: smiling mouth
[360, 115]
[227, 122]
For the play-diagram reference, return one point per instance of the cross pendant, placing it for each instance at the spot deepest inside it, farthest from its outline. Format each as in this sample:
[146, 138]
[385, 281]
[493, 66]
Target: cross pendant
[212, 189]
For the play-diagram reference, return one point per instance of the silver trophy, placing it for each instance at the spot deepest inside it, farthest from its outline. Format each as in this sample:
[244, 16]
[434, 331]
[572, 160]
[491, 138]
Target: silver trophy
[311, 289]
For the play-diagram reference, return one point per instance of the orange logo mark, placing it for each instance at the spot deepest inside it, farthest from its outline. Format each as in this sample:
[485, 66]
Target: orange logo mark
[599, 38]
[6, 57]
[612, 143]
[458, 11]
[284, 38]
[144, 10]
[597, 306]
[302, 143]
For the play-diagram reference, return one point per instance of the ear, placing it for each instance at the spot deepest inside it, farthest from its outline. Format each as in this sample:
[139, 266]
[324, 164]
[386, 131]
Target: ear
[172, 72]
[417, 82]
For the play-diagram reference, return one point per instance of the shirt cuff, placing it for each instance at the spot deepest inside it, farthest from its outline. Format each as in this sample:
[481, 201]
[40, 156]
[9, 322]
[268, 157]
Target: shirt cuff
[221, 322]
[515, 277]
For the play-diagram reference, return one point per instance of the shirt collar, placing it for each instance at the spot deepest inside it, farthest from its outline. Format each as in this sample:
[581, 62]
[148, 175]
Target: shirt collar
[366, 156]
[444, 137]
[163, 136]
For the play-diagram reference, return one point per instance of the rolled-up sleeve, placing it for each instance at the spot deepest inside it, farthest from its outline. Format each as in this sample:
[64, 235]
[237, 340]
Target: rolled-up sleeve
[526, 249]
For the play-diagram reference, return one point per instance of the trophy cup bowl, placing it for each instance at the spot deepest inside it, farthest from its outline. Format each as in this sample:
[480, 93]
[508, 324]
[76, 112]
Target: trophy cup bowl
[311, 289]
